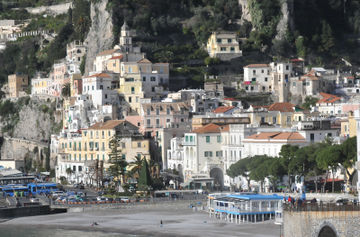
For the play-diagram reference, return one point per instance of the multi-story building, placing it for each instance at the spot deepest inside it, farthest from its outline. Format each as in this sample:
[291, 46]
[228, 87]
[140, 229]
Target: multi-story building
[348, 126]
[75, 51]
[329, 104]
[93, 144]
[142, 79]
[175, 155]
[109, 60]
[101, 88]
[223, 45]
[40, 85]
[157, 115]
[257, 78]
[18, 83]
[270, 143]
[203, 156]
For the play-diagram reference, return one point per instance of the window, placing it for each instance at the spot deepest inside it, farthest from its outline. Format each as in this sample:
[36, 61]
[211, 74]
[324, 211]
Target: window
[157, 111]
[103, 157]
[157, 122]
[144, 78]
[210, 153]
[206, 153]
[105, 96]
[139, 144]
[232, 49]
[101, 87]
[148, 122]
[79, 157]
[191, 138]
[130, 79]
[288, 119]
[254, 72]
[148, 111]
[274, 120]
[222, 49]
[130, 99]
[218, 40]
[186, 138]
[85, 156]
[167, 110]
[253, 79]
[266, 79]
[152, 78]
[218, 139]
[287, 67]
[103, 134]
[92, 88]
[229, 40]
[92, 157]
[75, 157]
[207, 139]
[153, 89]
[132, 90]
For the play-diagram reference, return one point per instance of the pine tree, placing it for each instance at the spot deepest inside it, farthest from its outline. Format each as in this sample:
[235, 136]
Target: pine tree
[117, 161]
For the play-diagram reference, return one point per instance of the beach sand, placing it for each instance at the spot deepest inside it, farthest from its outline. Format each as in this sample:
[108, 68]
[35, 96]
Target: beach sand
[178, 220]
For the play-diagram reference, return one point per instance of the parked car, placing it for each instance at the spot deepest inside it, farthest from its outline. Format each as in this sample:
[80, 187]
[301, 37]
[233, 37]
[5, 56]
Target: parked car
[101, 199]
[57, 194]
[342, 201]
[125, 199]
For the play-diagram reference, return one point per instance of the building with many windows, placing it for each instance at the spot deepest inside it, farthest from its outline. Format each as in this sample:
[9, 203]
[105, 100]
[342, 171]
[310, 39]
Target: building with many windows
[79, 149]
[223, 45]
[18, 83]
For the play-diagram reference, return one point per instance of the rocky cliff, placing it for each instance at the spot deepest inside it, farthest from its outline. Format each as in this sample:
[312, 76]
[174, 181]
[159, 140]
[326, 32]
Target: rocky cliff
[286, 22]
[100, 36]
[27, 129]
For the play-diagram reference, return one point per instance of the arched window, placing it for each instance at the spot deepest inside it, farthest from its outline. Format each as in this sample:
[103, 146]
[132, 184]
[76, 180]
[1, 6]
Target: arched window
[327, 231]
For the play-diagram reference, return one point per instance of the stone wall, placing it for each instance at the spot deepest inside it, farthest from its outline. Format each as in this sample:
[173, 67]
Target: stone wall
[310, 223]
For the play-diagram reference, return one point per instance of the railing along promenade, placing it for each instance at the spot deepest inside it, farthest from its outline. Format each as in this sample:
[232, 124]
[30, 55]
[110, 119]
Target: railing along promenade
[320, 207]
[130, 202]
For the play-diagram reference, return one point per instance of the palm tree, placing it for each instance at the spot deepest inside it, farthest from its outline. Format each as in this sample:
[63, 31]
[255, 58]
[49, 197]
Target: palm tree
[136, 165]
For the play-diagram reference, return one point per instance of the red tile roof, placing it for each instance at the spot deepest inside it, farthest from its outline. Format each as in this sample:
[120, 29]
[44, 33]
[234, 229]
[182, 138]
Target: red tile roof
[256, 65]
[106, 125]
[117, 57]
[328, 98]
[103, 75]
[277, 136]
[282, 107]
[223, 109]
[211, 128]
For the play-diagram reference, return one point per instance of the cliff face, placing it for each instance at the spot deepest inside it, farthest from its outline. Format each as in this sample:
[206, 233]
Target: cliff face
[100, 36]
[29, 137]
[245, 10]
[286, 22]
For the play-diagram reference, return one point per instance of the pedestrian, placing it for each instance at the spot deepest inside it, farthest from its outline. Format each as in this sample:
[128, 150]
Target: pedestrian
[161, 223]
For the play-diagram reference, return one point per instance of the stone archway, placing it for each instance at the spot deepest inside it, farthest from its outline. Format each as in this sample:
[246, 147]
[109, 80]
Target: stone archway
[327, 231]
[218, 176]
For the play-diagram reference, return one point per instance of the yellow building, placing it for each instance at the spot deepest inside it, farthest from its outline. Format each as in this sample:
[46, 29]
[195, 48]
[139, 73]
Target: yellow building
[223, 45]
[17, 83]
[142, 79]
[114, 64]
[94, 143]
[282, 114]
[40, 86]
[348, 126]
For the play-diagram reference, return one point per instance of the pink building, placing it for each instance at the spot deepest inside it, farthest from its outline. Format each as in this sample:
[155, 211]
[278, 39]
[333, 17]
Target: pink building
[159, 115]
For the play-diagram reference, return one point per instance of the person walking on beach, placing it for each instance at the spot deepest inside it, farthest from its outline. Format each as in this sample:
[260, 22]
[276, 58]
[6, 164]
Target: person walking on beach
[161, 223]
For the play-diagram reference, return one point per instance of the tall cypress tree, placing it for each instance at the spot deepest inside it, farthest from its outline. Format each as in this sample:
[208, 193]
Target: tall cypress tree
[145, 178]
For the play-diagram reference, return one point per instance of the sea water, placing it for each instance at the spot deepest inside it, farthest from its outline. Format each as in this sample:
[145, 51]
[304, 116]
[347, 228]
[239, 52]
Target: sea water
[21, 231]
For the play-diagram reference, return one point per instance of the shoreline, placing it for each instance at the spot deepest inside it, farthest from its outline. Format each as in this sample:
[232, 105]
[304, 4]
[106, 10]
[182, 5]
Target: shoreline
[178, 220]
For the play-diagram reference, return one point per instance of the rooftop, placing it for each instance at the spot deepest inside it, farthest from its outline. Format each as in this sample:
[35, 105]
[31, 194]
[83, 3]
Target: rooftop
[277, 136]
[223, 109]
[328, 98]
[255, 197]
[111, 124]
[211, 128]
[282, 107]
[256, 65]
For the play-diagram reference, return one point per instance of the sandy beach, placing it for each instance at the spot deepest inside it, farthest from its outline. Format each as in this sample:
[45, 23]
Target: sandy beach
[178, 220]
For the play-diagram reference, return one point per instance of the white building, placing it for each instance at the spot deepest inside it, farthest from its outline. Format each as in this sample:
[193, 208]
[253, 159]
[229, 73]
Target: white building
[175, 155]
[270, 143]
[257, 78]
[203, 156]
[101, 89]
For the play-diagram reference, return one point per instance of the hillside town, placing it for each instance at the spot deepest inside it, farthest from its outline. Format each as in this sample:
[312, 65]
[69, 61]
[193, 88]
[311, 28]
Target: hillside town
[169, 118]
[192, 136]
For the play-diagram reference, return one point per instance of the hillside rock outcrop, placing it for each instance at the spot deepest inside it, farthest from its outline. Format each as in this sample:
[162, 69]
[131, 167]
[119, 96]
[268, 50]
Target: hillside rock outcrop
[100, 36]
